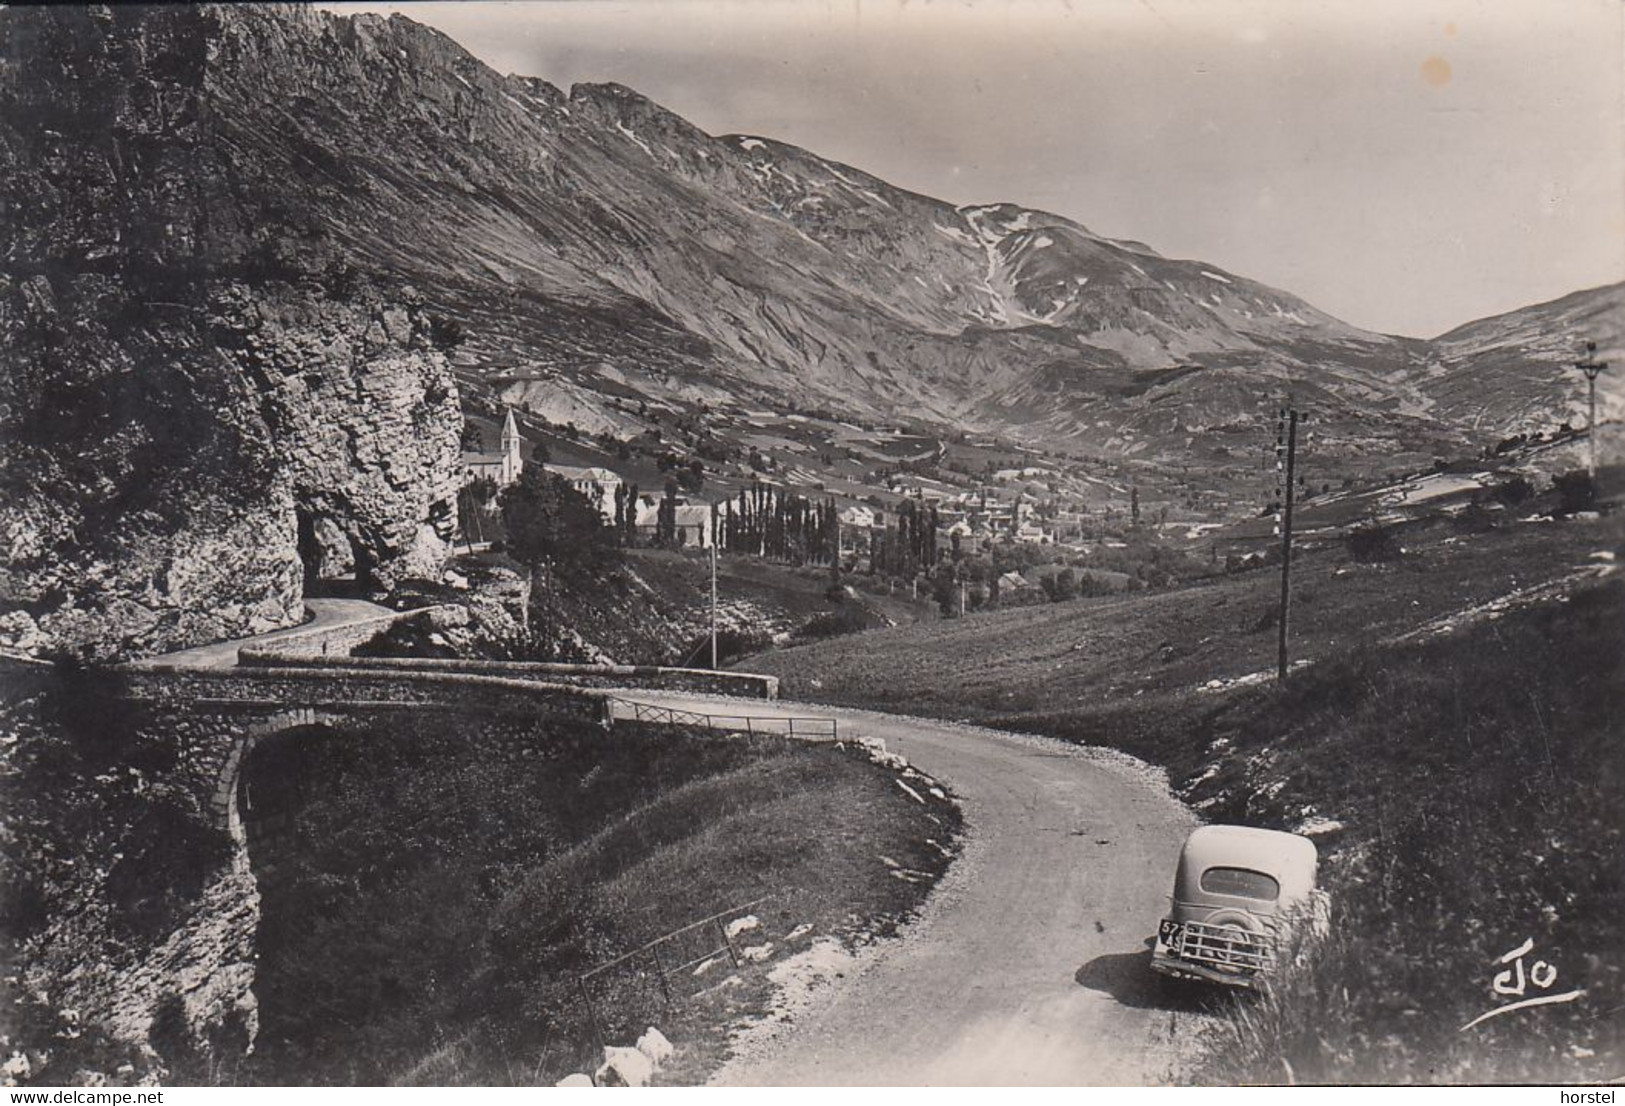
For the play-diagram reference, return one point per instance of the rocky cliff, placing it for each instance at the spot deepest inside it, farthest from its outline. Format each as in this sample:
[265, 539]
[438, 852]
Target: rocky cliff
[201, 405]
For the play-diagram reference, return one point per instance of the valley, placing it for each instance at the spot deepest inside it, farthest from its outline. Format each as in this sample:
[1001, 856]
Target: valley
[388, 443]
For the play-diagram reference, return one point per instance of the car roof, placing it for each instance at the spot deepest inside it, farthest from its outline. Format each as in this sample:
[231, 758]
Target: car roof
[1289, 857]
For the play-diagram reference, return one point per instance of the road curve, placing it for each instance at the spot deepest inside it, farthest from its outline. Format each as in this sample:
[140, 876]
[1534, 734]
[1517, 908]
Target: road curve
[325, 614]
[1028, 964]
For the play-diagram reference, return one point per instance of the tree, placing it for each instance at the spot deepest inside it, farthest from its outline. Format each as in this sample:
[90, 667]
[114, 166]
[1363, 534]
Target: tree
[1515, 491]
[629, 523]
[550, 523]
[666, 533]
[945, 590]
[473, 500]
[1066, 584]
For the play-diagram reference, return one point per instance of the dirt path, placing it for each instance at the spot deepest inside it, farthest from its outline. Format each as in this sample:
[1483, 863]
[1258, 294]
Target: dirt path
[1029, 964]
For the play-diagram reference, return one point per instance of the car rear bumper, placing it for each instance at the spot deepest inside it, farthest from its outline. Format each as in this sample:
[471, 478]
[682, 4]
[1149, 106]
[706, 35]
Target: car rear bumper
[1178, 968]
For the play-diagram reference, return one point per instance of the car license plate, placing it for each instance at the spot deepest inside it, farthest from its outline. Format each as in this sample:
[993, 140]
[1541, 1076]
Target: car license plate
[1170, 932]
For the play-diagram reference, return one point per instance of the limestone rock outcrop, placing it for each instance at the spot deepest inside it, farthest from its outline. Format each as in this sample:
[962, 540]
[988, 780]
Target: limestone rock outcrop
[202, 408]
[366, 422]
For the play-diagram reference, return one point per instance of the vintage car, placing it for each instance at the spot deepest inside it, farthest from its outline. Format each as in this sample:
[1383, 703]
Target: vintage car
[1238, 892]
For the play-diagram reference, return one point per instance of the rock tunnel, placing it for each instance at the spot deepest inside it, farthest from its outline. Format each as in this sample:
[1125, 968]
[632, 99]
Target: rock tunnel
[333, 561]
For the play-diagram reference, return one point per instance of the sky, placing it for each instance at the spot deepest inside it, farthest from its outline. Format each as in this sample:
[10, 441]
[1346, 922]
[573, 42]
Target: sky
[1407, 165]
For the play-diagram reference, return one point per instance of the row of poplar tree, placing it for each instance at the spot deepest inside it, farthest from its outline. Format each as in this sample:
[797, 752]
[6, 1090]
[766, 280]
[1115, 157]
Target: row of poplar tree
[779, 525]
[910, 546]
[761, 520]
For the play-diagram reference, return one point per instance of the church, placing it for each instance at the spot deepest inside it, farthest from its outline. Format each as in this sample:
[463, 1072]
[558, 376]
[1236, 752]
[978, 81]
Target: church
[502, 466]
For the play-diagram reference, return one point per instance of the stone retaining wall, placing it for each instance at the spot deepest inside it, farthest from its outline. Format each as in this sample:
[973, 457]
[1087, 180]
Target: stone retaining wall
[744, 685]
[330, 648]
[323, 641]
[340, 685]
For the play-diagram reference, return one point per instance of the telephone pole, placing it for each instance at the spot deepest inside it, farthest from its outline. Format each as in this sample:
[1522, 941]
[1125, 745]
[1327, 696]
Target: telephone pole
[1591, 367]
[713, 605]
[1289, 417]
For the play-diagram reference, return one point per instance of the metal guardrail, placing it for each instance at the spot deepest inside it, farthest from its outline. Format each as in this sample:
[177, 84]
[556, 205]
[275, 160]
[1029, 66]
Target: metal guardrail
[801, 729]
[665, 972]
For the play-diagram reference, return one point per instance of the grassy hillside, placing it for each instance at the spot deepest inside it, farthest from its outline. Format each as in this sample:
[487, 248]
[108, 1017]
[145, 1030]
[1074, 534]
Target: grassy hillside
[653, 606]
[1044, 668]
[443, 894]
[1454, 751]
[1477, 779]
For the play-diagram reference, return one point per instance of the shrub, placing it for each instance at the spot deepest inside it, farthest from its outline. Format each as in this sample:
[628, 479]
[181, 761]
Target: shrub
[1515, 491]
[1373, 542]
[1576, 491]
[848, 618]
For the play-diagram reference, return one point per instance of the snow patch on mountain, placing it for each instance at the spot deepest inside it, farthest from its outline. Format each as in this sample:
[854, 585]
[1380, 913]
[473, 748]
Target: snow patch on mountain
[642, 145]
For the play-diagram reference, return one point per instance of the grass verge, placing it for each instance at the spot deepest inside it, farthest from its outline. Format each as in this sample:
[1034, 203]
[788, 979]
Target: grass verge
[443, 896]
[1476, 780]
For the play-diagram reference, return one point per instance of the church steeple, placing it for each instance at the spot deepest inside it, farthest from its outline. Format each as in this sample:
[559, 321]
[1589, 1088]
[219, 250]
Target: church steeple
[511, 460]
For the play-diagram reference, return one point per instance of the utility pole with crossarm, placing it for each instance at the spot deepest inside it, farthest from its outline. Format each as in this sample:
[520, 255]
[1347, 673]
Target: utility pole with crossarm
[1286, 452]
[1591, 367]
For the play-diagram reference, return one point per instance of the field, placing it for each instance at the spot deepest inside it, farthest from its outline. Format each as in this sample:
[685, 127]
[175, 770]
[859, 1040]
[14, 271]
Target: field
[1042, 668]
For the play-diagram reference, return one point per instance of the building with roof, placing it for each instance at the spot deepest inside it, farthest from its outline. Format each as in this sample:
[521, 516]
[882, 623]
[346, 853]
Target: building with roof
[691, 522]
[502, 465]
[599, 485]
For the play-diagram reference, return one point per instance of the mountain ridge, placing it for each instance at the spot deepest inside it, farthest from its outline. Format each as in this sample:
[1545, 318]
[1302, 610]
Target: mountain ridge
[565, 230]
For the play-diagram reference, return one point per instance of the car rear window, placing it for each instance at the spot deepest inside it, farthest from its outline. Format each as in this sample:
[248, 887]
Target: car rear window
[1241, 881]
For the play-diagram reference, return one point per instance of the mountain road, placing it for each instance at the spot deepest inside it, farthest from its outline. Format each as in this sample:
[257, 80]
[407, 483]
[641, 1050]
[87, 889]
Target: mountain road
[1029, 963]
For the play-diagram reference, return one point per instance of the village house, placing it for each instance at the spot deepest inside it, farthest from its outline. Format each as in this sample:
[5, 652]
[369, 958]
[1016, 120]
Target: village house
[501, 466]
[694, 525]
[858, 524]
[599, 485]
[1014, 583]
[1030, 533]
[692, 522]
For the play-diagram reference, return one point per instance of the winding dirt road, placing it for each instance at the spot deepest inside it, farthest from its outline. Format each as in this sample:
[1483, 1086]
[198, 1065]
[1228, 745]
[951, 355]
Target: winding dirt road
[325, 614]
[1029, 963]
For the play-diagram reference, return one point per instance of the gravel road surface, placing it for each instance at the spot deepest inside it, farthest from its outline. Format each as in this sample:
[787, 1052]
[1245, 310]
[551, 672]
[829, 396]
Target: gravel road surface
[1028, 965]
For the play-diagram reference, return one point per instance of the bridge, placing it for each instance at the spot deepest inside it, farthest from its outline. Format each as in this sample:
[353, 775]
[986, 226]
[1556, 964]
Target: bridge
[232, 717]
[217, 702]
